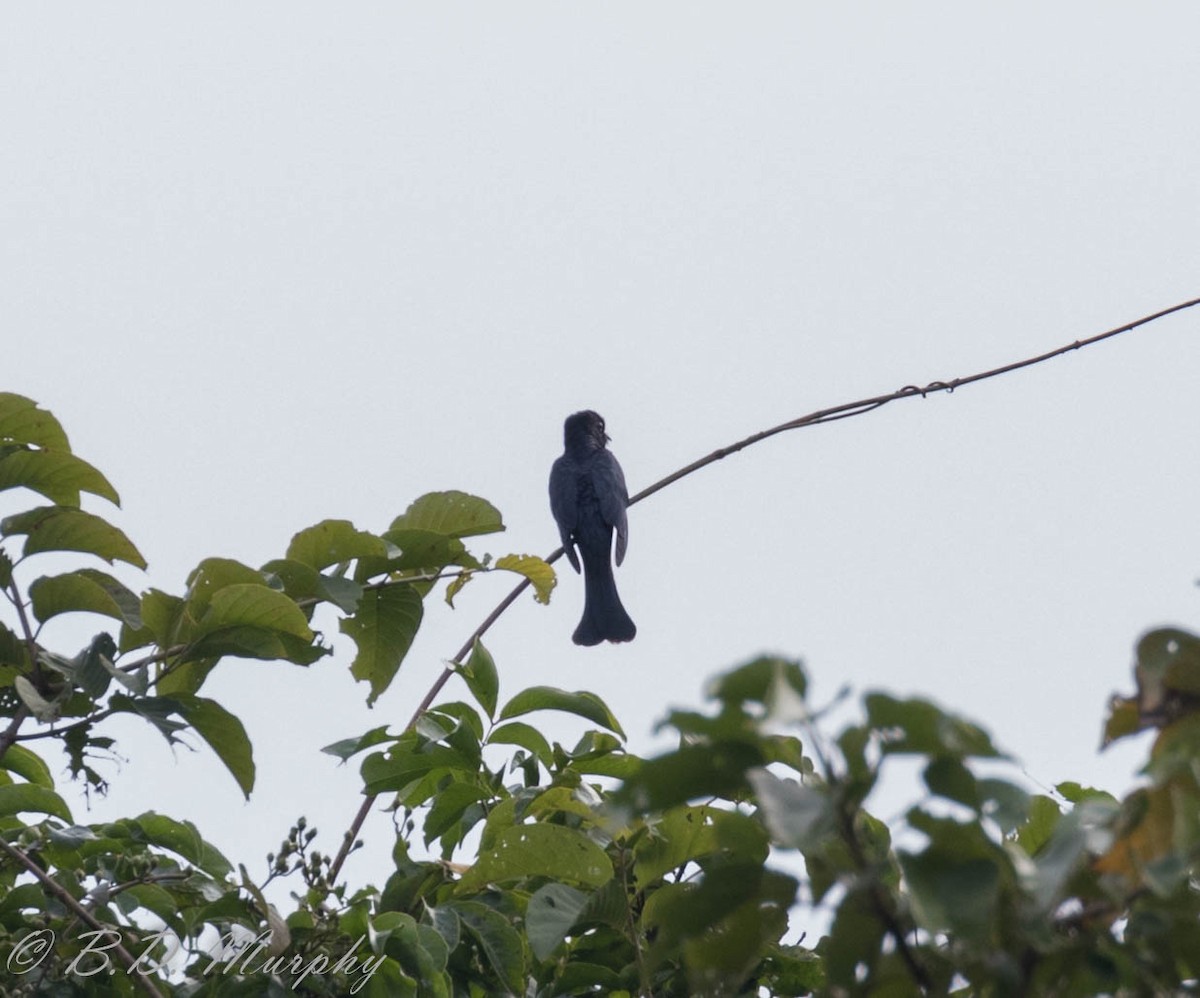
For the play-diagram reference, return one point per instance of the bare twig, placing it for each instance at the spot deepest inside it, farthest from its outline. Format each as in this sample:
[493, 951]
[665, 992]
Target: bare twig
[863, 406]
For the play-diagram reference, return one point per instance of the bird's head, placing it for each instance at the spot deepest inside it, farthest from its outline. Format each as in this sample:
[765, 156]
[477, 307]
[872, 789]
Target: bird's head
[584, 431]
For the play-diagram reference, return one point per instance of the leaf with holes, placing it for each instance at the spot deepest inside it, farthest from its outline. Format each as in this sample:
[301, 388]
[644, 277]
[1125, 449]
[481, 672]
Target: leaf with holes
[538, 571]
[383, 628]
[542, 850]
[332, 541]
[452, 514]
[22, 422]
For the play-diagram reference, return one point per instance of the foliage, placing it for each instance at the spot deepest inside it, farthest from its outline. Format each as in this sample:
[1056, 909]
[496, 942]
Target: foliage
[522, 866]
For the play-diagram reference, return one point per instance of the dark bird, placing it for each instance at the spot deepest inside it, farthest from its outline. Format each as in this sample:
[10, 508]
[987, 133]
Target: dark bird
[588, 499]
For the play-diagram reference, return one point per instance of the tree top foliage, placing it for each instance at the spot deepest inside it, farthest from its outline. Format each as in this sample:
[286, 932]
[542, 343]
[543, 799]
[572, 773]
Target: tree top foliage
[528, 867]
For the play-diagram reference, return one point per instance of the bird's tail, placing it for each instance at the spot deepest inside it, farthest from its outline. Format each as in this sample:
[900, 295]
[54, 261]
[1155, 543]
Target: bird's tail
[604, 618]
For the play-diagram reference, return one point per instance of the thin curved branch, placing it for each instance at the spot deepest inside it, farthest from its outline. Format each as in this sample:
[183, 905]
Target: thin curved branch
[859, 407]
[863, 406]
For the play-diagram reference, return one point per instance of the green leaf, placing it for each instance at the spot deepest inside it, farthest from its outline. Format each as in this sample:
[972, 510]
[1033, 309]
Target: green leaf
[348, 747]
[798, 816]
[680, 911]
[157, 710]
[579, 977]
[13, 651]
[383, 629]
[1124, 719]
[551, 804]
[1076, 793]
[403, 765]
[690, 834]
[554, 851]
[86, 590]
[526, 736]
[1005, 803]
[455, 586]
[482, 678]
[453, 514]
[756, 681]
[456, 724]
[919, 727]
[253, 642]
[538, 571]
[16, 798]
[1168, 661]
[224, 733]
[154, 899]
[186, 677]
[417, 949]
[345, 594]
[499, 942]
[94, 669]
[855, 941]
[57, 475]
[720, 960]
[213, 575]
[303, 582]
[951, 893]
[163, 615]
[954, 884]
[45, 710]
[550, 914]
[58, 528]
[28, 765]
[581, 702]
[253, 605]
[448, 807]
[792, 970]
[947, 777]
[423, 550]
[184, 838]
[22, 422]
[719, 769]
[23, 896]
[333, 541]
[212, 722]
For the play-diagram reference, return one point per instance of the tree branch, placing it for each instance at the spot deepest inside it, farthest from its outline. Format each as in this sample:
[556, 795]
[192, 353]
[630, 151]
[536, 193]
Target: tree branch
[80, 912]
[844, 411]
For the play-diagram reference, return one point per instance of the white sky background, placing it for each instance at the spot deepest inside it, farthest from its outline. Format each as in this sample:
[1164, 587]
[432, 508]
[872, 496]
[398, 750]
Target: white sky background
[276, 263]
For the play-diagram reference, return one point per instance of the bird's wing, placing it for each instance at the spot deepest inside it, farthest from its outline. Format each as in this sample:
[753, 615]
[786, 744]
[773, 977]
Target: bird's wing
[564, 504]
[609, 482]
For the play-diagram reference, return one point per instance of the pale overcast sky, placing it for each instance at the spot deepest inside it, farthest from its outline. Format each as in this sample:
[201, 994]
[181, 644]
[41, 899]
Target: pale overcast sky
[274, 263]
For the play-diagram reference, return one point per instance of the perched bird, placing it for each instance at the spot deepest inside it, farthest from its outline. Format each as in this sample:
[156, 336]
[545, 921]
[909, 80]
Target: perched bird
[588, 499]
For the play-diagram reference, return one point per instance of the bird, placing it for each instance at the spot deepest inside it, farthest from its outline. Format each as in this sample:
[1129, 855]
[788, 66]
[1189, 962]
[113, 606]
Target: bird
[588, 499]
